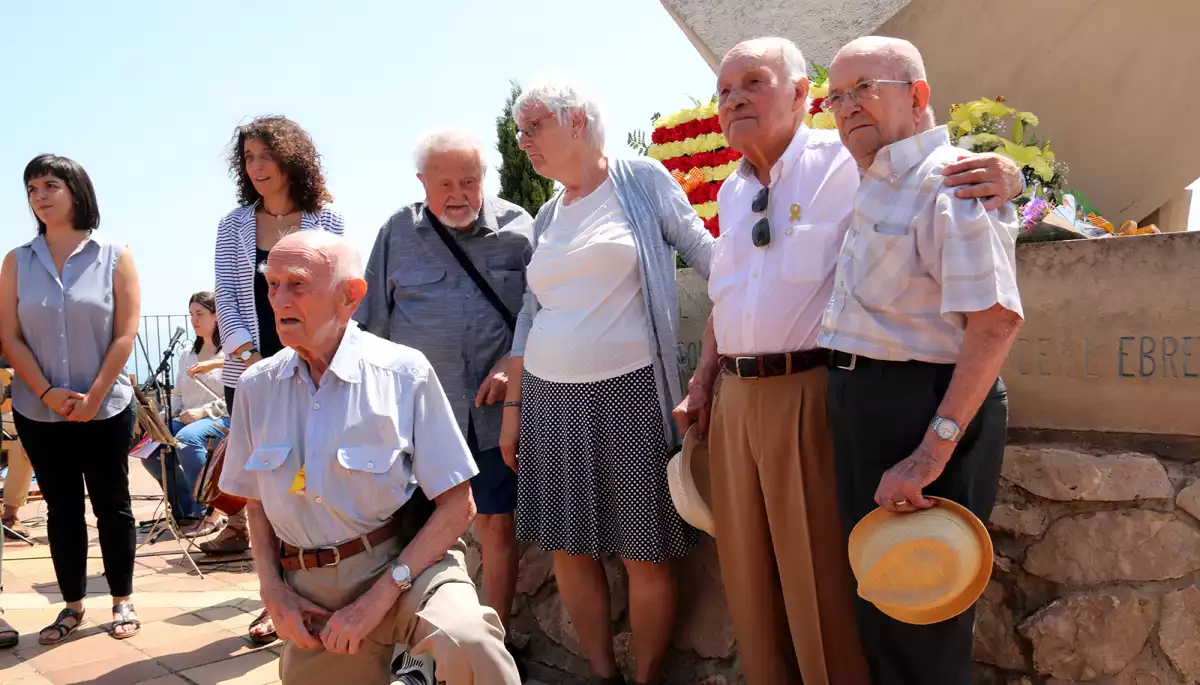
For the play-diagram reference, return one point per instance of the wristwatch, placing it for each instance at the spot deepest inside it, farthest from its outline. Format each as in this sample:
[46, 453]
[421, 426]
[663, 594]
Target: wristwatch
[401, 576]
[945, 429]
[245, 356]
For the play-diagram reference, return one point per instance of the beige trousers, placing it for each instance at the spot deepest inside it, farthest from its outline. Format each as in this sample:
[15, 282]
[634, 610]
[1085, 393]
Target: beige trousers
[20, 476]
[779, 537]
[441, 615]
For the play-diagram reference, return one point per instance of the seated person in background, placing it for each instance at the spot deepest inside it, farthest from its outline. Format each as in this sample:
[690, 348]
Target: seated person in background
[200, 416]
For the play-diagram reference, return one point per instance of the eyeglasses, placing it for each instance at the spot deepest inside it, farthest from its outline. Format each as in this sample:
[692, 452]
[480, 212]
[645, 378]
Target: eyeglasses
[761, 233]
[531, 128]
[860, 92]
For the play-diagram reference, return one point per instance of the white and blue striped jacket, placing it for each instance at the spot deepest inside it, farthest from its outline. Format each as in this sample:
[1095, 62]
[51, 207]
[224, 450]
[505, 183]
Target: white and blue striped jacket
[235, 262]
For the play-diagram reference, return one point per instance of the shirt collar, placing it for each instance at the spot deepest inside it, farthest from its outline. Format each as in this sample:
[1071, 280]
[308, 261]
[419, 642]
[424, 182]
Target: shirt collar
[785, 162]
[902, 155]
[345, 362]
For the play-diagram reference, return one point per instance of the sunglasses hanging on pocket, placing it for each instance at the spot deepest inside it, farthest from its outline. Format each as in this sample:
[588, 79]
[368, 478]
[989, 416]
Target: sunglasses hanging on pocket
[761, 233]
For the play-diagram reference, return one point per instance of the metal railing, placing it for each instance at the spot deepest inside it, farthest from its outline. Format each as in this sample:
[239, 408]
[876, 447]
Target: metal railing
[154, 334]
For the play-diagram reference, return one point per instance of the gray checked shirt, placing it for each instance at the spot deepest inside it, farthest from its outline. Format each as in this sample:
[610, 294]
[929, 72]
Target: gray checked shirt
[418, 295]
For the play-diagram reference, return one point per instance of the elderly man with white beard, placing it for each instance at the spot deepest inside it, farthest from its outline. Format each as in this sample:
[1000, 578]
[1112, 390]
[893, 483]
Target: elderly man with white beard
[446, 277]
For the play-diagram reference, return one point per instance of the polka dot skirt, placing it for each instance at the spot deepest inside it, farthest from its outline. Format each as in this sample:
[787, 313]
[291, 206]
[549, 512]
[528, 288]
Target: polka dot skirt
[592, 470]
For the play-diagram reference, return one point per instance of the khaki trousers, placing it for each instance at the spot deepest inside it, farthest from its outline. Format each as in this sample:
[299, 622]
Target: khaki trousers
[440, 615]
[779, 538]
[20, 477]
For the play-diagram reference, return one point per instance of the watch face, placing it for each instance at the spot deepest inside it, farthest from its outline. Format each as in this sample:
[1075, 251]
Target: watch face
[945, 430]
[401, 575]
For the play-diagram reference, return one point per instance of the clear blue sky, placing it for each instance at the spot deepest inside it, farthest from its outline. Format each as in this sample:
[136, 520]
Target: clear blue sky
[146, 95]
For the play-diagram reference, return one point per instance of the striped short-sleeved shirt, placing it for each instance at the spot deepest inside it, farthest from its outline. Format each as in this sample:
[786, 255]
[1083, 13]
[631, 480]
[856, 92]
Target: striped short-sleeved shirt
[916, 259]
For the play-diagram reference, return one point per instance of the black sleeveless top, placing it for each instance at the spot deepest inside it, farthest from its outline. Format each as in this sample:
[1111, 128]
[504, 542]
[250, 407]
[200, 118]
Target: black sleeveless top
[268, 337]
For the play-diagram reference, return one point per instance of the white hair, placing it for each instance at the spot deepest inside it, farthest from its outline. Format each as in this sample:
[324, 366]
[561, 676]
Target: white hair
[789, 54]
[563, 96]
[342, 256]
[446, 140]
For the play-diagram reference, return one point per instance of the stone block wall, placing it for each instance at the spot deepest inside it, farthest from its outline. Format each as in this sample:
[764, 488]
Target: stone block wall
[1096, 569]
[1095, 581]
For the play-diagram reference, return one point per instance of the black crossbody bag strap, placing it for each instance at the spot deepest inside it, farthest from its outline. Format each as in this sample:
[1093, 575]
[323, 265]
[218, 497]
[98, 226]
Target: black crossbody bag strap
[469, 267]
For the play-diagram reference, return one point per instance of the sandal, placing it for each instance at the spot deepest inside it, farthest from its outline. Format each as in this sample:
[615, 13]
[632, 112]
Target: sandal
[9, 637]
[261, 639]
[204, 527]
[60, 627]
[13, 530]
[124, 616]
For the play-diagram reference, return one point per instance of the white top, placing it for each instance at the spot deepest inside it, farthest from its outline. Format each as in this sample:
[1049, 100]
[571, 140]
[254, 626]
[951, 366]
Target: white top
[592, 324]
[770, 299]
[190, 393]
[376, 427]
[917, 259]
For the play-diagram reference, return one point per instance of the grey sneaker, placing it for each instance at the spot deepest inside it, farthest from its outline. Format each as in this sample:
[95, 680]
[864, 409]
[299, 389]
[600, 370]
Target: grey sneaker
[413, 670]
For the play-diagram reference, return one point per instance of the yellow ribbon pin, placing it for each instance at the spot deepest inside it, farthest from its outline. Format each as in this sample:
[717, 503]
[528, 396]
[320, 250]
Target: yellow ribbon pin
[795, 213]
[298, 483]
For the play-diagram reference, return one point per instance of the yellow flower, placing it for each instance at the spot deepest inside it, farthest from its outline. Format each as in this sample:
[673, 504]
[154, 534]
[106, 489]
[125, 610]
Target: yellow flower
[707, 210]
[808, 119]
[824, 120]
[704, 143]
[718, 173]
[821, 91]
[704, 111]
[1028, 156]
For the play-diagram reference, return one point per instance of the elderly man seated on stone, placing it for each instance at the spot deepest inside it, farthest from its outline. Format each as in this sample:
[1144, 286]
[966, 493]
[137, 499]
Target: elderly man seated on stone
[924, 311]
[331, 438]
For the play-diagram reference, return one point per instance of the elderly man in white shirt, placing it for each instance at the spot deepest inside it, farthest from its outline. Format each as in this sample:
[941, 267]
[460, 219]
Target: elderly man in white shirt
[333, 441]
[783, 558]
[924, 313]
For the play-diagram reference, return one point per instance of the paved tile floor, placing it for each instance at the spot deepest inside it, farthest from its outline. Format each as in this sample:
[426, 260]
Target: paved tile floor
[193, 628]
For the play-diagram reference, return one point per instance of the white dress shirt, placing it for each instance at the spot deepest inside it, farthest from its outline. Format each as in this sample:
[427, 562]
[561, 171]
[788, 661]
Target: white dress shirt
[377, 419]
[917, 259]
[770, 299]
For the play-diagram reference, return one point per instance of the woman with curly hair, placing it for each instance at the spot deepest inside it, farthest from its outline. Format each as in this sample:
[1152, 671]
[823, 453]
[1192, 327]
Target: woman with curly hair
[281, 190]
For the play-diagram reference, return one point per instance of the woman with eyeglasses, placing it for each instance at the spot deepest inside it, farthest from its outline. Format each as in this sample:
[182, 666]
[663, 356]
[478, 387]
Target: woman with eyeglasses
[69, 308]
[594, 374]
[281, 190]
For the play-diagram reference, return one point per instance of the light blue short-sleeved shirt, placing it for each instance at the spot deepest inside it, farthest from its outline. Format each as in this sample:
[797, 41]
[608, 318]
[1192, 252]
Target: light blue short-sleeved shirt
[376, 427]
[67, 322]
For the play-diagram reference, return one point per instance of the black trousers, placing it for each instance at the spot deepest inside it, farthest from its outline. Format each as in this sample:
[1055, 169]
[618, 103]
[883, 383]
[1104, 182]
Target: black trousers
[229, 395]
[65, 455]
[879, 413]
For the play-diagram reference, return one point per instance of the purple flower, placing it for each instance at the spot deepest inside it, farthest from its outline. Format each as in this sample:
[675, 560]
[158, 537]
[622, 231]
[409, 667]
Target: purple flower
[1034, 211]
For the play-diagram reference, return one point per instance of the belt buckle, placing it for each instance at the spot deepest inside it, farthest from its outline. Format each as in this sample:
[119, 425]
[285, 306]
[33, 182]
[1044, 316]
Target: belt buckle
[853, 363]
[737, 365]
[337, 557]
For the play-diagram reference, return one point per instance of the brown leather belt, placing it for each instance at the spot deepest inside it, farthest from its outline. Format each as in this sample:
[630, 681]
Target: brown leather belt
[769, 365]
[294, 559]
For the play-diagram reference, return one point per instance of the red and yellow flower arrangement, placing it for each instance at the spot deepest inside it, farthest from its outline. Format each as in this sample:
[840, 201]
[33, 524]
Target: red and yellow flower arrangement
[689, 143]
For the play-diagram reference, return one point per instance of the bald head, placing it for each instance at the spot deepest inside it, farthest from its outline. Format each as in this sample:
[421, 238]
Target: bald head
[779, 52]
[330, 258]
[315, 282]
[900, 58]
[879, 94]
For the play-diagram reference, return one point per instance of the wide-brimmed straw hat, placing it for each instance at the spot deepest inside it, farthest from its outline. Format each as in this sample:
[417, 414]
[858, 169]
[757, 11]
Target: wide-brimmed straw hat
[688, 479]
[922, 567]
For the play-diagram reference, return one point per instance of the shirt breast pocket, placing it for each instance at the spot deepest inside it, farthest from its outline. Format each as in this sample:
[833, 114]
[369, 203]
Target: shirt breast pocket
[810, 252]
[419, 292]
[508, 280]
[373, 473]
[884, 256]
[267, 460]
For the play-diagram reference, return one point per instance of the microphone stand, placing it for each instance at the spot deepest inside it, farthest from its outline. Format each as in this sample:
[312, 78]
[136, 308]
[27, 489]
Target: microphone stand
[168, 462]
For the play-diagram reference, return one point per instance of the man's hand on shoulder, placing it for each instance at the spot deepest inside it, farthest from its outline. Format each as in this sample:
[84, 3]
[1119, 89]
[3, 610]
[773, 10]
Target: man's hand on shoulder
[993, 178]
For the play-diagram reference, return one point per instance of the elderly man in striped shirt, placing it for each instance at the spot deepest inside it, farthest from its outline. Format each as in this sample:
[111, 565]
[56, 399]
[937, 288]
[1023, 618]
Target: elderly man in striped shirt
[924, 312]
